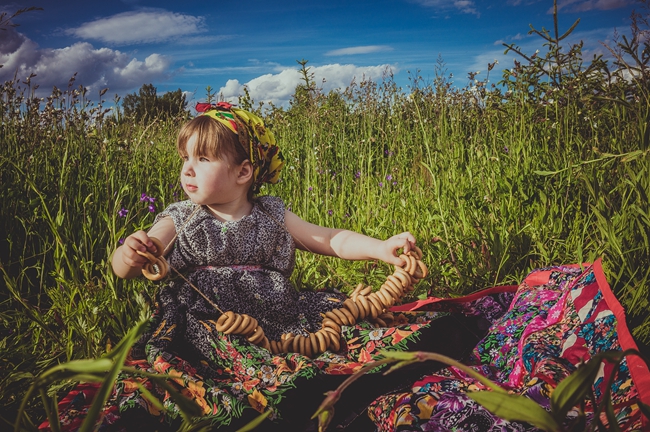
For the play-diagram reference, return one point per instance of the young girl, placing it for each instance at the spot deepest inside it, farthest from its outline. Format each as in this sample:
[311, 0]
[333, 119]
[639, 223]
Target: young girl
[235, 252]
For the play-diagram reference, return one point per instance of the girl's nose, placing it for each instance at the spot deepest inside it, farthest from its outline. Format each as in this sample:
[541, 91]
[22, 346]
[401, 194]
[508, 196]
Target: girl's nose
[188, 170]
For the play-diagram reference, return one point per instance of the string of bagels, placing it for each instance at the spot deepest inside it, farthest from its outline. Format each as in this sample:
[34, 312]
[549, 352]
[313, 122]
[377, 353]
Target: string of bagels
[363, 303]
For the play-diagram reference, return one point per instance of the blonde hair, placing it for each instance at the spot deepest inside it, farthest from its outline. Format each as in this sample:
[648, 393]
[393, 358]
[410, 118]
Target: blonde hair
[212, 139]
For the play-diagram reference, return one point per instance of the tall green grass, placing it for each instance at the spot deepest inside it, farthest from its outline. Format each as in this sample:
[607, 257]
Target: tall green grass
[492, 181]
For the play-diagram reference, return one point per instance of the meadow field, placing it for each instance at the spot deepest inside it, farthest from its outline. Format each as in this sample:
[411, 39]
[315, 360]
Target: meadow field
[495, 176]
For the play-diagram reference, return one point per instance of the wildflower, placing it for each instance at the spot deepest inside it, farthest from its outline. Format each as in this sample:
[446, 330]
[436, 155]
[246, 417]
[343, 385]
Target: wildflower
[310, 188]
[330, 212]
[152, 208]
[394, 183]
[121, 241]
[389, 177]
[143, 197]
[381, 184]
[122, 213]
[357, 174]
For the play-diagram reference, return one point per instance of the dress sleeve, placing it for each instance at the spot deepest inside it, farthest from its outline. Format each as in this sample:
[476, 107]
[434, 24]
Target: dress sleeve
[274, 206]
[179, 212]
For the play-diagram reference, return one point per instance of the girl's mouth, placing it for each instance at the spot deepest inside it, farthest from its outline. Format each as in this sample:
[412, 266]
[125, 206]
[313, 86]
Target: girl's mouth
[190, 188]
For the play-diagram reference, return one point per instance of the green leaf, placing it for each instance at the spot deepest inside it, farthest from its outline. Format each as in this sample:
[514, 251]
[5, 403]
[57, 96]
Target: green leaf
[573, 388]
[515, 408]
[255, 422]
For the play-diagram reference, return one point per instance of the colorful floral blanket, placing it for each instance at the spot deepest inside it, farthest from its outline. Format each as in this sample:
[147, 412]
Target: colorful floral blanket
[559, 317]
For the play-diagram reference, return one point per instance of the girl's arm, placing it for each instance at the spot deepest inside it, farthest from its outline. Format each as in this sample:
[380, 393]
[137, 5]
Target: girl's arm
[126, 262]
[346, 244]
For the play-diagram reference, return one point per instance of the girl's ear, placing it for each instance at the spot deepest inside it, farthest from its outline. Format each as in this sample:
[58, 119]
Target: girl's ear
[245, 172]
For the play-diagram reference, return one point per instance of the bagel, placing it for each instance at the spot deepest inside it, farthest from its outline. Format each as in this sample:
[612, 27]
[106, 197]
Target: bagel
[376, 303]
[365, 306]
[342, 316]
[350, 305]
[328, 323]
[235, 325]
[322, 338]
[367, 290]
[349, 315]
[423, 268]
[313, 342]
[335, 343]
[159, 246]
[228, 319]
[252, 325]
[295, 347]
[381, 322]
[257, 336]
[407, 262]
[287, 343]
[331, 315]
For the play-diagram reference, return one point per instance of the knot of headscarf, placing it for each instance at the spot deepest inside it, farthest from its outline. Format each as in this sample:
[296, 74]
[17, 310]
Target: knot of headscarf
[257, 140]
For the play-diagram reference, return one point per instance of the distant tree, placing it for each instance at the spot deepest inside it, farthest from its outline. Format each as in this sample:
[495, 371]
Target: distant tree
[147, 105]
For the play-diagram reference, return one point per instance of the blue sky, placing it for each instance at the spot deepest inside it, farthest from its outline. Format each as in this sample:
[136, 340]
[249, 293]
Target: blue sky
[228, 44]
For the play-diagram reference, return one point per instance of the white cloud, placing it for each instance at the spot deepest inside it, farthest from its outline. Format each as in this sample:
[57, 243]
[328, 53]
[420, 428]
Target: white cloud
[464, 6]
[145, 26]
[278, 88]
[587, 5]
[95, 68]
[367, 49]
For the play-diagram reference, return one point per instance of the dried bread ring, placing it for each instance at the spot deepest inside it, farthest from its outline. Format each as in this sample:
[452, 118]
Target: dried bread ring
[257, 336]
[250, 328]
[159, 246]
[407, 262]
[414, 264]
[390, 287]
[335, 342]
[331, 324]
[231, 328]
[357, 289]
[365, 306]
[351, 320]
[403, 277]
[380, 322]
[313, 341]
[423, 268]
[287, 343]
[225, 321]
[295, 346]
[350, 305]
[155, 270]
[376, 303]
[386, 296]
[331, 315]
[342, 316]
[265, 343]
[322, 340]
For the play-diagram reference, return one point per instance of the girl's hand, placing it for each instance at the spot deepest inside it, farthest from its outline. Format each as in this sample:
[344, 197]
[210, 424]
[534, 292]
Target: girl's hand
[389, 247]
[138, 241]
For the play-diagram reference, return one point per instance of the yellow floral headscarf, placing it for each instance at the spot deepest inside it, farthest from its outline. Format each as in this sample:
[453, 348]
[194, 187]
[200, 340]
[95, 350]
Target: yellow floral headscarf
[257, 140]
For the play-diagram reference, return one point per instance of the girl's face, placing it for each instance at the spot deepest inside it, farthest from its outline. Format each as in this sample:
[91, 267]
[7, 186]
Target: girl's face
[208, 180]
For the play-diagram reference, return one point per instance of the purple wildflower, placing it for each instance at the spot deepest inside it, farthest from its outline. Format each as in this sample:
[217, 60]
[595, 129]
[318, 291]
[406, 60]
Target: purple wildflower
[381, 184]
[121, 241]
[310, 188]
[330, 212]
[389, 177]
[152, 208]
[394, 183]
[357, 174]
[122, 213]
[143, 197]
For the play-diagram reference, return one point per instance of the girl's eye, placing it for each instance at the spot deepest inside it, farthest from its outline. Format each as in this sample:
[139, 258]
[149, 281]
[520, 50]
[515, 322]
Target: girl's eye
[204, 159]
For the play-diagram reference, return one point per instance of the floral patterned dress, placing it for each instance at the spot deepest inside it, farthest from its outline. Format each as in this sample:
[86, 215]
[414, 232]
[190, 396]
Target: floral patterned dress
[244, 266]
